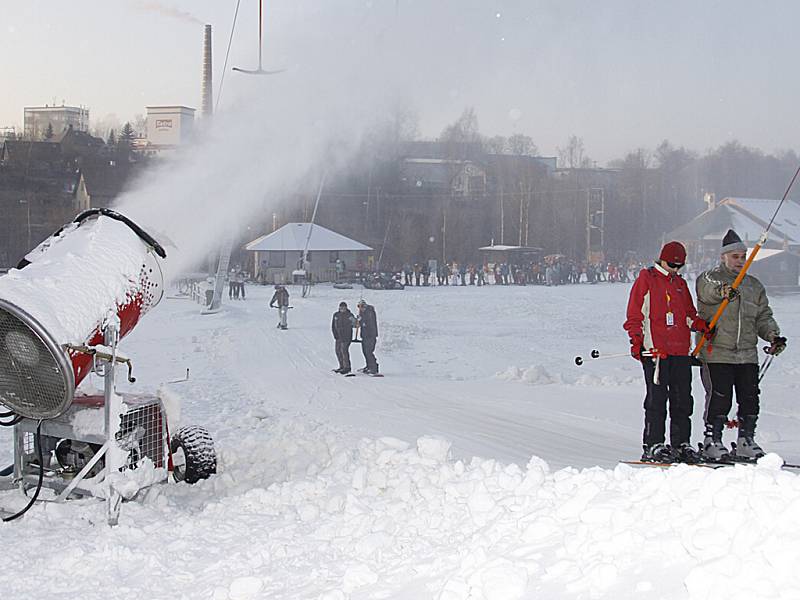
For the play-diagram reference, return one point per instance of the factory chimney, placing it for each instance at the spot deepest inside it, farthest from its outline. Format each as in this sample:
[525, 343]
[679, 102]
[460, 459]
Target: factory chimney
[208, 94]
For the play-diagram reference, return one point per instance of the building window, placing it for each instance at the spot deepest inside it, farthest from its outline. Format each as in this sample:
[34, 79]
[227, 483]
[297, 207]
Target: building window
[276, 259]
[333, 256]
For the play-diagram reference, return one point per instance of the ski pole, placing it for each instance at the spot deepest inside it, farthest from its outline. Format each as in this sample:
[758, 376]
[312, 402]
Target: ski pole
[596, 355]
[765, 367]
[762, 240]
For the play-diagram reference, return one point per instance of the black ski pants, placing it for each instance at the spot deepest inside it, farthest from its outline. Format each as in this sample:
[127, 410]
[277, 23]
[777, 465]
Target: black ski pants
[720, 379]
[343, 354]
[674, 387]
[368, 348]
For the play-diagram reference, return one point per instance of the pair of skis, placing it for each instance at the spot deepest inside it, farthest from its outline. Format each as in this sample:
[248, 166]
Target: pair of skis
[702, 464]
[354, 374]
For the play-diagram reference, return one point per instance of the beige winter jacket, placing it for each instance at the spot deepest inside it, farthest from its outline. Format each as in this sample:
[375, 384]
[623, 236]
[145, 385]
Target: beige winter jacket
[745, 319]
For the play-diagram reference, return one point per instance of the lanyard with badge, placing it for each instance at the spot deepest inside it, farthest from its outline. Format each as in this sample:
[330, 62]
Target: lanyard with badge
[670, 316]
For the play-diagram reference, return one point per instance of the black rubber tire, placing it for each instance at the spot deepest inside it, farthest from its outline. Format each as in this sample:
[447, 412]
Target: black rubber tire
[198, 450]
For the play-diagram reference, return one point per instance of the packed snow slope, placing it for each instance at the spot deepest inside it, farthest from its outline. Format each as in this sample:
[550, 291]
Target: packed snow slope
[483, 466]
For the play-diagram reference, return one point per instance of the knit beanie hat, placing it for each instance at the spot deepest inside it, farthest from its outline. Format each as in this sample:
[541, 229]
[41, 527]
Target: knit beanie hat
[673, 252]
[732, 243]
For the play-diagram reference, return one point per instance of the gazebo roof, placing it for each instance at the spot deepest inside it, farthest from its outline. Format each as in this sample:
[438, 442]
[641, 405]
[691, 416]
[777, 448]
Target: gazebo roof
[293, 237]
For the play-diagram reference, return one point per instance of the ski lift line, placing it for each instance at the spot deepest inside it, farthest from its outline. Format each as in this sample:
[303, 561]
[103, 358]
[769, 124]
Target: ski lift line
[314, 216]
[383, 246]
[740, 277]
[227, 54]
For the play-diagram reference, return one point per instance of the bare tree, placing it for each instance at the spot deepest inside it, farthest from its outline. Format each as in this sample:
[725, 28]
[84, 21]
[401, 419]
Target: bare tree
[463, 130]
[522, 145]
[497, 144]
[573, 155]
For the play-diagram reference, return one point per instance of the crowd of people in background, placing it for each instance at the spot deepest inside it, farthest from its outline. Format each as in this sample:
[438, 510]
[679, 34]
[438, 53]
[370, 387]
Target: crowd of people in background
[550, 271]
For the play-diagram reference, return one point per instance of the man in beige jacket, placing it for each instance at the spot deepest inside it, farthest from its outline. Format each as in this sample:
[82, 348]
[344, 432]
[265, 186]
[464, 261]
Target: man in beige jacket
[731, 357]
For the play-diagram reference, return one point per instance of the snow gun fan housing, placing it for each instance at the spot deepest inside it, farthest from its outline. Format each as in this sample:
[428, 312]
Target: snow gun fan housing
[40, 360]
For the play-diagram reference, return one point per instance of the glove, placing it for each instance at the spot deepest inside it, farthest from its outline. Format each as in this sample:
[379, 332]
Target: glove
[730, 293]
[637, 345]
[777, 346]
[700, 325]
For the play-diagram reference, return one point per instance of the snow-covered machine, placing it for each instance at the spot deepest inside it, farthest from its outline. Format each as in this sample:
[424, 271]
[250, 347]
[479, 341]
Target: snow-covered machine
[62, 314]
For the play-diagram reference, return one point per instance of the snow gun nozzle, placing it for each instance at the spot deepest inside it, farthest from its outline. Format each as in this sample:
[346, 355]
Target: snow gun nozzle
[595, 354]
[578, 360]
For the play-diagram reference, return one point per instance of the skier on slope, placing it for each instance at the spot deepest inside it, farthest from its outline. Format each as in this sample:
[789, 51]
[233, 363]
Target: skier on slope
[731, 356]
[281, 296]
[367, 324]
[342, 326]
[659, 317]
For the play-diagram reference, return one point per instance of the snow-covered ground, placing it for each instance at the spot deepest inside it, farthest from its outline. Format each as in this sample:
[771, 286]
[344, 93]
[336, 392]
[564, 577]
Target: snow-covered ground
[483, 466]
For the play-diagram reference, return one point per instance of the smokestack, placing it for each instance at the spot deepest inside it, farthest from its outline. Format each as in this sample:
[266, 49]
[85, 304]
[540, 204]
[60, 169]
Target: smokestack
[208, 94]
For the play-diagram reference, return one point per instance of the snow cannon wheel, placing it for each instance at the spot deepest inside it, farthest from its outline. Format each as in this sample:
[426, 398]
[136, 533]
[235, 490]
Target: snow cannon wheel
[193, 454]
[578, 360]
[595, 354]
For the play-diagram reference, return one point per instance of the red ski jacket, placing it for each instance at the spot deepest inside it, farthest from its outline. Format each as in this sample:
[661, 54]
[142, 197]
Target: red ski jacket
[661, 312]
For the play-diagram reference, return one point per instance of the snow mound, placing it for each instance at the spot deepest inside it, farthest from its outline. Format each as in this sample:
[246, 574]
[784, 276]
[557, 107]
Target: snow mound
[591, 380]
[533, 375]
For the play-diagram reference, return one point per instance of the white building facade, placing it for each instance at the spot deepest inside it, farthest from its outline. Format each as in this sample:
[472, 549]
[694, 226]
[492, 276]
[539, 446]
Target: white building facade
[169, 126]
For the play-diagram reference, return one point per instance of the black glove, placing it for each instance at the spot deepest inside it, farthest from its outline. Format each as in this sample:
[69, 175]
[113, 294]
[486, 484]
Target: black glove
[777, 346]
[729, 292]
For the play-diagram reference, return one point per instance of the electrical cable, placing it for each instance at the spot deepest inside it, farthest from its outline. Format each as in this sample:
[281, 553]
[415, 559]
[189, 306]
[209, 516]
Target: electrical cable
[41, 476]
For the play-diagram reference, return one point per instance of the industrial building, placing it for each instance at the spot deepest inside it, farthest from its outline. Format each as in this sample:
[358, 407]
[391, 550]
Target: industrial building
[37, 119]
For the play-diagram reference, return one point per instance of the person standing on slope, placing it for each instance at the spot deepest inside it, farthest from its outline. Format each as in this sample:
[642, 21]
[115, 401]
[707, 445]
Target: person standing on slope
[342, 326]
[368, 325]
[281, 296]
[730, 359]
[659, 318]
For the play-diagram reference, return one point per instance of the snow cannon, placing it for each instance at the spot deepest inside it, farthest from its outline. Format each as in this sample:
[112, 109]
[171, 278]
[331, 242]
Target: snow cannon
[53, 307]
[63, 312]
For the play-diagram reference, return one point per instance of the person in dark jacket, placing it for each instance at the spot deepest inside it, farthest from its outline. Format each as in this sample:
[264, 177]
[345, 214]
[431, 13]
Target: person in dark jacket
[368, 326]
[281, 297]
[660, 315]
[342, 327]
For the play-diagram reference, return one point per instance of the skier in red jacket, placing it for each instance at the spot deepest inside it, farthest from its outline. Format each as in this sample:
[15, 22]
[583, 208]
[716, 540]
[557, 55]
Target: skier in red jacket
[660, 315]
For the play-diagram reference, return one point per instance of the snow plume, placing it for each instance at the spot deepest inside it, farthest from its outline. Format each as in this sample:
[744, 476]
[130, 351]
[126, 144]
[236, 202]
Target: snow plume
[278, 134]
[167, 11]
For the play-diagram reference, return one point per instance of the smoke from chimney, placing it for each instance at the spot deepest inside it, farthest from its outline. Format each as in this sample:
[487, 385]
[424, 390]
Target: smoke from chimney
[166, 11]
[208, 93]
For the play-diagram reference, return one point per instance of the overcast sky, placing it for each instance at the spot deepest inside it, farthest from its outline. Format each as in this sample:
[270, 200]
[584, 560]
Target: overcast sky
[619, 73]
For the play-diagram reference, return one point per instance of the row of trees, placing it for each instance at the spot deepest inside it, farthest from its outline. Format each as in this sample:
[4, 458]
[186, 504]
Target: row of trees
[647, 193]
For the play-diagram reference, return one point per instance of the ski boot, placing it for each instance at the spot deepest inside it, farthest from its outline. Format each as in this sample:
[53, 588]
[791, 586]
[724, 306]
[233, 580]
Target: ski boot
[685, 453]
[657, 453]
[712, 449]
[746, 447]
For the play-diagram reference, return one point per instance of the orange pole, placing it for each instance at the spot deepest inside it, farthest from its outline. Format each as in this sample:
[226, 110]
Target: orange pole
[734, 285]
